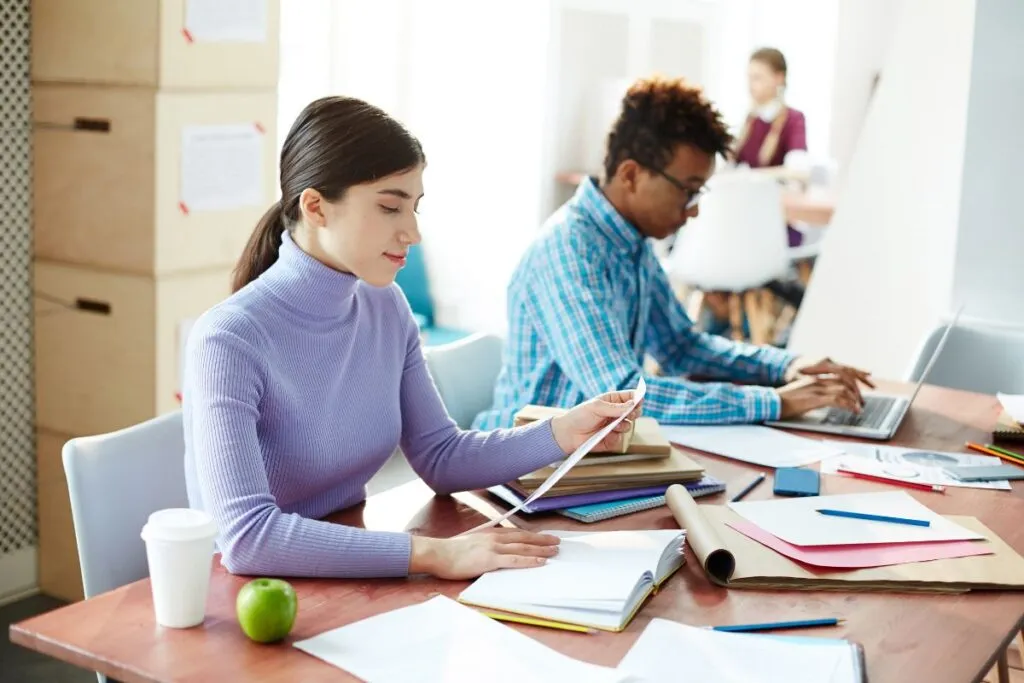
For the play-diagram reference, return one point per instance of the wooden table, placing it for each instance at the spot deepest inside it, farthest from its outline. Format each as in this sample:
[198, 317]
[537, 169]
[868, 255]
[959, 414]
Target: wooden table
[936, 638]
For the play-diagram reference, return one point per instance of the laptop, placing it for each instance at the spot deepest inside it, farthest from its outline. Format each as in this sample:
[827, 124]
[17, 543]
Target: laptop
[881, 415]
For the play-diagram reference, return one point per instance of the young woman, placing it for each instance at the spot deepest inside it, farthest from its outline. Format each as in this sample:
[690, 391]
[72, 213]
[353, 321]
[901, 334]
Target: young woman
[773, 129]
[301, 384]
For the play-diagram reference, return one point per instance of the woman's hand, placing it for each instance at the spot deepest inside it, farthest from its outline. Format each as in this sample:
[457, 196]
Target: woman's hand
[572, 429]
[469, 556]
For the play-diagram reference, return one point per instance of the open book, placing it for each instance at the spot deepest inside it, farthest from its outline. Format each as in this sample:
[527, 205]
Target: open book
[731, 559]
[598, 579]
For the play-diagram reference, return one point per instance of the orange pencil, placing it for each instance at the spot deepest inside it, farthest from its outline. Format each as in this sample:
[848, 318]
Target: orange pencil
[989, 451]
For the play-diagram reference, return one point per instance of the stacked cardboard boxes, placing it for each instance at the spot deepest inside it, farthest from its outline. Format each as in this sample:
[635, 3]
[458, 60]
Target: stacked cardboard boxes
[155, 155]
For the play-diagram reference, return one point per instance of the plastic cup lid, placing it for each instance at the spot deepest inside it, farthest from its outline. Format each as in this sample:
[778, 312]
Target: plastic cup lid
[179, 524]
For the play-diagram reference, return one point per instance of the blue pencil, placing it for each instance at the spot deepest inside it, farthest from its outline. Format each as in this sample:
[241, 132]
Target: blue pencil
[777, 625]
[876, 518]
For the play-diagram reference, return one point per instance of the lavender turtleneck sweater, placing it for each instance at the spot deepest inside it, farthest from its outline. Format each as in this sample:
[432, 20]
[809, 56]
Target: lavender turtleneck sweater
[297, 390]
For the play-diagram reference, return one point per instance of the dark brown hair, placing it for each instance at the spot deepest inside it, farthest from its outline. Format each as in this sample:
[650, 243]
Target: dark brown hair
[335, 143]
[772, 58]
[657, 115]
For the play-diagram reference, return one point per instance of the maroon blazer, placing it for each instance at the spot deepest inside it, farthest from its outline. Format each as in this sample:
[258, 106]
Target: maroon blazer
[791, 135]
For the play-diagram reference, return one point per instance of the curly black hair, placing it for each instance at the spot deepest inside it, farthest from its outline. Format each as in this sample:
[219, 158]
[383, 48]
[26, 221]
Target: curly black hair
[657, 115]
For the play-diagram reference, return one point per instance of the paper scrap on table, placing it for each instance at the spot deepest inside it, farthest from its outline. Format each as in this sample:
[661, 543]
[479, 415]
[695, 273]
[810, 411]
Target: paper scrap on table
[441, 640]
[864, 555]
[226, 21]
[755, 444]
[797, 521]
[1013, 404]
[669, 652]
[908, 464]
[568, 463]
[222, 167]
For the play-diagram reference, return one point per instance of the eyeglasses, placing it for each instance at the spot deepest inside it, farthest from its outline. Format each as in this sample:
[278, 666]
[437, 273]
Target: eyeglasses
[692, 196]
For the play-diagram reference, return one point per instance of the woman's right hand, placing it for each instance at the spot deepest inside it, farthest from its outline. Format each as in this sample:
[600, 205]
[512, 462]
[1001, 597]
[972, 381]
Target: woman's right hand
[469, 556]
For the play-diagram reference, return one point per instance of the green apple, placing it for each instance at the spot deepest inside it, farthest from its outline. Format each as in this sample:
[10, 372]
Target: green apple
[266, 609]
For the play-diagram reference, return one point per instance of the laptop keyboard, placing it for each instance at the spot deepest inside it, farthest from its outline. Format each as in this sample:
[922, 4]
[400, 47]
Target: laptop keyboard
[876, 409]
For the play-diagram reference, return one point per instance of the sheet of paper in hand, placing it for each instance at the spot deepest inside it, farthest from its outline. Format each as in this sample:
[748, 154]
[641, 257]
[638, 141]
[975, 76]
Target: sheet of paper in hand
[568, 463]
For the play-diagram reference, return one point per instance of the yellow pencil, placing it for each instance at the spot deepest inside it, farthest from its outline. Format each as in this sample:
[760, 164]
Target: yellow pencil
[537, 622]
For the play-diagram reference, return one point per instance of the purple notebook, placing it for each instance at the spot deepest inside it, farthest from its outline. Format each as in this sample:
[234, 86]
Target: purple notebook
[705, 485]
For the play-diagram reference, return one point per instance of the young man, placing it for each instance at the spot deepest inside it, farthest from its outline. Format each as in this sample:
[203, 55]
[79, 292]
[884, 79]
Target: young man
[589, 299]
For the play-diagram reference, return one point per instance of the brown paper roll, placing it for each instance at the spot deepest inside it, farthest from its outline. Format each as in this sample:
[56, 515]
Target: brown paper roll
[718, 563]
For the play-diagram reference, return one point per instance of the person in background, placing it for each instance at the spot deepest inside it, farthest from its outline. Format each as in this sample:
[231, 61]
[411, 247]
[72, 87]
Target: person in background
[773, 129]
[301, 384]
[589, 299]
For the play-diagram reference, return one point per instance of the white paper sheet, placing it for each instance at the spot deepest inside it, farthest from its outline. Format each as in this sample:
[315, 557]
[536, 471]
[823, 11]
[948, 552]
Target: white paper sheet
[669, 652]
[751, 443]
[226, 21]
[222, 167]
[908, 464]
[441, 640]
[1014, 405]
[796, 520]
[568, 463]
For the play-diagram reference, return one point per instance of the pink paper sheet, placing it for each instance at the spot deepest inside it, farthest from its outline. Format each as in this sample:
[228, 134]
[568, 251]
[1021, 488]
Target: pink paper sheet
[867, 555]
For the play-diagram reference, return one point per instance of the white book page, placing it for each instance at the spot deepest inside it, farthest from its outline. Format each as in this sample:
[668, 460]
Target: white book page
[1013, 404]
[796, 520]
[668, 652]
[589, 566]
[755, 444]
[441, 640]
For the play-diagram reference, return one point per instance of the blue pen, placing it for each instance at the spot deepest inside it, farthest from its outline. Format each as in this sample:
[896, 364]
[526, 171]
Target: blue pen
[777, 625]
[876, 518]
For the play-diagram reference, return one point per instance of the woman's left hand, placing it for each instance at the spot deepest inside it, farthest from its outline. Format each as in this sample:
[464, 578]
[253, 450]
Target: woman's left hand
[572, 429]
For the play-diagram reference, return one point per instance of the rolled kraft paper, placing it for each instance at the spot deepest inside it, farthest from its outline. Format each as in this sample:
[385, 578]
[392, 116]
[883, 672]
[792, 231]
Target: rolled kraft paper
[714, 557]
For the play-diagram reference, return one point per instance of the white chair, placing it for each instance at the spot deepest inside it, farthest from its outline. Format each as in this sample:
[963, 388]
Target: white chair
[115, 481]
[737, 244]
[975, 358]
[465, 372]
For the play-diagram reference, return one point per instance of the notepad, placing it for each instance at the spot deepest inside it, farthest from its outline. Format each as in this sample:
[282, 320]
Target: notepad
[598, 579]
[441, 640]
[669, 652]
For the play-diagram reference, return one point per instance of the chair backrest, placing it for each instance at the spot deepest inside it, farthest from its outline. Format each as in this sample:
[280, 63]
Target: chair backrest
[465, 372]
[115, 481]
[738, 241]
[415, 283]
[976, 358]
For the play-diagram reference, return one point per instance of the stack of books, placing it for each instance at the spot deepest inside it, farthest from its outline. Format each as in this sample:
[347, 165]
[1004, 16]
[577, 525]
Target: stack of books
[608, 484]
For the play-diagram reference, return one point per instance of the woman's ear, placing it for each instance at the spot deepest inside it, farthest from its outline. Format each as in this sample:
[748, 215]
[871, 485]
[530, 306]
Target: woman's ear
[311, 206]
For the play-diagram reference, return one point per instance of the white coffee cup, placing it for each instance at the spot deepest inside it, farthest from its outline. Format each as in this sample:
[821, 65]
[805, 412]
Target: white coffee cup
[179, 549]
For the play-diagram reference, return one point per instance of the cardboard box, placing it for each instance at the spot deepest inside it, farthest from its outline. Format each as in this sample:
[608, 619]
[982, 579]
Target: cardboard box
[108, 181]
[155, 43]
[60, 573]
[106, 344]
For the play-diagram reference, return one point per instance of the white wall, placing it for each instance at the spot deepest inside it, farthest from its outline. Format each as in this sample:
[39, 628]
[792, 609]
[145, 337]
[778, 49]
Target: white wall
[865, 32]
[990, 240]
[886, 272]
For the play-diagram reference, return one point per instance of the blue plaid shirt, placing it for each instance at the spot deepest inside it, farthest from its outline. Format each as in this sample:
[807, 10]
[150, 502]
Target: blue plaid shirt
[589, 301]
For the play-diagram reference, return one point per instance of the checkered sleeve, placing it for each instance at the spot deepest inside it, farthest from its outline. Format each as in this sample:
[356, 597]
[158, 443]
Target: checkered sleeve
[680, 349]
[570, 299]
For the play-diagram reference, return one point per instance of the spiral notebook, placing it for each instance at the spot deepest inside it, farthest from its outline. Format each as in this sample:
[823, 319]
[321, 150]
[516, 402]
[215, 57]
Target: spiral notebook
[1008, 429]
[596, 512]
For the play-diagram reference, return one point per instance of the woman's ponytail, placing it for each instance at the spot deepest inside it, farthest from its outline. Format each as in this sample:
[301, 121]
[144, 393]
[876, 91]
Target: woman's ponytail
[261, 249]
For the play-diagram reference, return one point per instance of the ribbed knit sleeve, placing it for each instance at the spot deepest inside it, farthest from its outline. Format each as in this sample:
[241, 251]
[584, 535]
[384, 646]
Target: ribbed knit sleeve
[225, 379]
[447, 458]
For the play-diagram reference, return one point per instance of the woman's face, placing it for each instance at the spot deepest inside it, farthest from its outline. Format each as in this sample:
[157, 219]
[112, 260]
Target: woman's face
[764, 83]
[369, 230]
